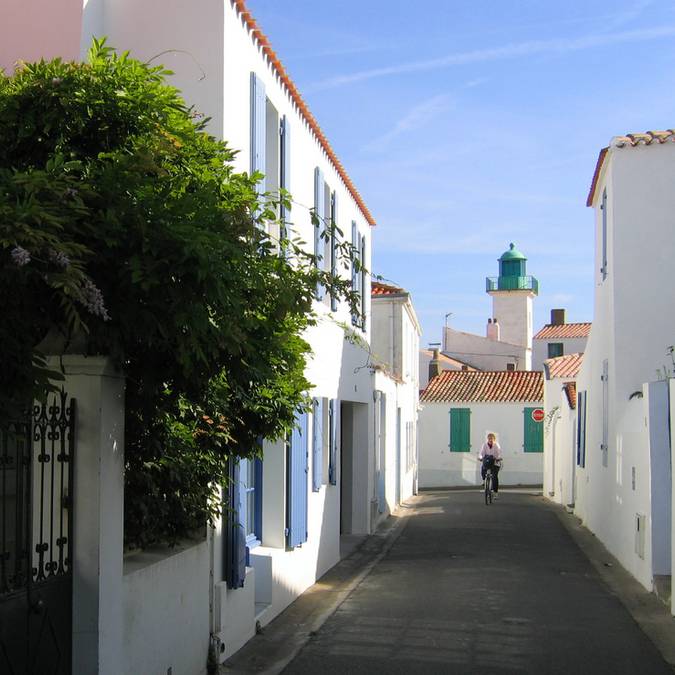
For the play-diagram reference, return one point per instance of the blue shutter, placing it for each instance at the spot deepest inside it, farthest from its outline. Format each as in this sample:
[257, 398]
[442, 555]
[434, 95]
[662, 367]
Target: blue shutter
[317, 444]
[334, 420]
[285, 173]
[333, 246]
[362, 286]
[235, 539]
[356, 277]
[258, 129]
[581, 429]
[319, 201]
[257, 523]
[297, 483]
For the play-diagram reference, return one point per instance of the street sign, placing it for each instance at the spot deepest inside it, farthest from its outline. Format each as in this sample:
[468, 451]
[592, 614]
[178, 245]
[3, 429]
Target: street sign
[538, 415]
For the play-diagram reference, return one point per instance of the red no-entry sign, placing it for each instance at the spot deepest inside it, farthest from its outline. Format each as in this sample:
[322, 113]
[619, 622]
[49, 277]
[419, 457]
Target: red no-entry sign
[538, 415]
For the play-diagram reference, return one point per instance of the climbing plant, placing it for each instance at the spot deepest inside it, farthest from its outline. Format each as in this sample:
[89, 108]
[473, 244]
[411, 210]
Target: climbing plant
[125, 231]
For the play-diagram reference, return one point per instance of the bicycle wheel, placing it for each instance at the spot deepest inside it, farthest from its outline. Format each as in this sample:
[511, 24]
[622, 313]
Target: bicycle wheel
[488, 488]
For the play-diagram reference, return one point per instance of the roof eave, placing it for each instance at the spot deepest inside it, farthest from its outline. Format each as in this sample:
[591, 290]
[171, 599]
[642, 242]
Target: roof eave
[596, 176]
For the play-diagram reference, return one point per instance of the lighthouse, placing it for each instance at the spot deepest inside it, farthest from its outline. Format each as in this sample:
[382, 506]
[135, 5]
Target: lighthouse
[512, 294]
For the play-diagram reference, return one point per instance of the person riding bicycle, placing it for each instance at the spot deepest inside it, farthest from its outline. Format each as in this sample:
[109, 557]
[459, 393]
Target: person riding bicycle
[490, 456]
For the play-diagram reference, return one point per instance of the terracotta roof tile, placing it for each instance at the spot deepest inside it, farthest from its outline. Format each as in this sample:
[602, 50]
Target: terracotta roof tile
[263, 41]
[485, 386]
[377, 288]
[565, 330]
[563, 366]
[629, 140]
[571, 393]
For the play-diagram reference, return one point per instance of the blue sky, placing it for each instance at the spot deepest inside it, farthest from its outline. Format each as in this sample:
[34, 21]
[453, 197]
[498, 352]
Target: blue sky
[466, 126]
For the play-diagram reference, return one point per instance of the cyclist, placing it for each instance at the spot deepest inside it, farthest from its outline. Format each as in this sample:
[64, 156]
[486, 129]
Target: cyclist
[490, 455]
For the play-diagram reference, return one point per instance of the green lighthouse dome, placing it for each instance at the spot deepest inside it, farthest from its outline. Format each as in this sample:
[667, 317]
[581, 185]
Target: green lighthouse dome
[512, 274]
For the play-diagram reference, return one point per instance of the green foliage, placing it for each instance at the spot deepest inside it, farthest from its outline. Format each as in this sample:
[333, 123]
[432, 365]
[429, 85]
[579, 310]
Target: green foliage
[123, 222]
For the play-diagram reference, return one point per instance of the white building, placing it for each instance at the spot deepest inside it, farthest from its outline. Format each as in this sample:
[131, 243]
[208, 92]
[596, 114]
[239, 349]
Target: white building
[459, 409]
[433, 361]
[560, 440]
[395, 344]
[158, 611]
[623, 476]
[558, 338]
[508, 341]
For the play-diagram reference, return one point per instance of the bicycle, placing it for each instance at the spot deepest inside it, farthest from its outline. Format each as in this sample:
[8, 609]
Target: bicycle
[489, 483]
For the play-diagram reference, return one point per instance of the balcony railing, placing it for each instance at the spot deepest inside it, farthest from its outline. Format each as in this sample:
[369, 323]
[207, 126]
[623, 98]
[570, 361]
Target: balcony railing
[512, 284]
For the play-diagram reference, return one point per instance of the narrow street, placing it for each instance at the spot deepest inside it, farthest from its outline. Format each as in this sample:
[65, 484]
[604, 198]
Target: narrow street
[467, 588]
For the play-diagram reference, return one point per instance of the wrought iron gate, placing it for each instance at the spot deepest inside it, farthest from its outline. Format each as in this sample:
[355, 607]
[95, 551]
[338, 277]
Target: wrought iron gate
[36, 542]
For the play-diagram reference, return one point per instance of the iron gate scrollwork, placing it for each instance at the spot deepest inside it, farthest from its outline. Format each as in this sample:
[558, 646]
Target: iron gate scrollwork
[36, 539]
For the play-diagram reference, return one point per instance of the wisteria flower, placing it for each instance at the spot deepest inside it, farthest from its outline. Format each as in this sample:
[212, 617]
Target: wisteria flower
[59, 258]
[20, 256]
[92, 298]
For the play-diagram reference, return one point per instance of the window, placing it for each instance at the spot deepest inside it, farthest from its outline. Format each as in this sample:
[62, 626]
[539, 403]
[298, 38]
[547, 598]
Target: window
[250, 509]
[603, 207]
[296, 483]
[409, 445]
[460, 430]
[581, 429]
[533, 432]
[333, 246]
[364, 294]
[333, 439]
[318, 442]
[555, 349]
[285, 173]
[319, 218]
[510, 367]
[356, 272]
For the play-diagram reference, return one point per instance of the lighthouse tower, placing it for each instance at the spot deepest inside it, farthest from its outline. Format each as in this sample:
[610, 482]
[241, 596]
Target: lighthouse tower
[512, 294]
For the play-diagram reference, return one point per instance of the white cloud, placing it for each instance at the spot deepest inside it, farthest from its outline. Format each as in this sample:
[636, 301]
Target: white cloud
[509, 51]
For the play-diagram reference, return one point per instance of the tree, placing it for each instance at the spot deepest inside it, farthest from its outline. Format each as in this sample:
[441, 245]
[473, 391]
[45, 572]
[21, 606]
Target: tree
[125, 231]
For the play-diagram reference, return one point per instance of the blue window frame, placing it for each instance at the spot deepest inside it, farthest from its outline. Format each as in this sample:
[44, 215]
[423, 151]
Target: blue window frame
[250, 500]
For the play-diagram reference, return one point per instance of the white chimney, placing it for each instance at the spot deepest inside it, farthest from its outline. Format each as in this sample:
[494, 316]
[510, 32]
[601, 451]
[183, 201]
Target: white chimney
[493, 330]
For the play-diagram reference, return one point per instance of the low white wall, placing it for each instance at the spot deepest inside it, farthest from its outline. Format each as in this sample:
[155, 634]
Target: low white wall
[439, 467]
[671, 388]
[166, 611]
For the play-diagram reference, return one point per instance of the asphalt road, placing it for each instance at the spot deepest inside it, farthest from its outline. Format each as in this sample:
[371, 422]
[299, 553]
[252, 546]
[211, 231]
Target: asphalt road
[468, 588]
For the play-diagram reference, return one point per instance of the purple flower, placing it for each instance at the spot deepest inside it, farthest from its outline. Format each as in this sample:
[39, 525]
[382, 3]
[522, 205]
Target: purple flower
[92, 298]
[20, 256]
[59, 258]
[70, 192]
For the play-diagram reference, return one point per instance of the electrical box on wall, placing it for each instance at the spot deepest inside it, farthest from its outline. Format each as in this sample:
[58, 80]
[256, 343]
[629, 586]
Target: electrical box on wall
[640, 535]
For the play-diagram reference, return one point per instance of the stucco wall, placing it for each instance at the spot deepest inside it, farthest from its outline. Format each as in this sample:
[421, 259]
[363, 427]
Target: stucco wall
[513, 311]
[482, 353]
[166, 611]
[540, 349]
[439, 467]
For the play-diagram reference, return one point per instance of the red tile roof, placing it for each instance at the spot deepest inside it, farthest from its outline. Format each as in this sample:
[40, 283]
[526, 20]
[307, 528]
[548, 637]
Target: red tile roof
[563, 366]
[564, 330]
[263, 41]
[377, 288]
[485, 386]
[571, 393]
[631, 140]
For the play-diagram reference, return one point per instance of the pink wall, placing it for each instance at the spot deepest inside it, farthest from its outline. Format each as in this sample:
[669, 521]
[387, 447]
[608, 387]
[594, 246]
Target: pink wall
[34, 29]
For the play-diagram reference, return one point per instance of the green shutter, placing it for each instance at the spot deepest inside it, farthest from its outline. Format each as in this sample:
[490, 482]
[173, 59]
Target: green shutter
[460, 429]
[533, 432]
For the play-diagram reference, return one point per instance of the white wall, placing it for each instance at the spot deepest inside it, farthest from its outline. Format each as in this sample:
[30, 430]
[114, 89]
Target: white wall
[439, 467]
[482, 353]
[513, 311]
[166, 611]
[540, 349]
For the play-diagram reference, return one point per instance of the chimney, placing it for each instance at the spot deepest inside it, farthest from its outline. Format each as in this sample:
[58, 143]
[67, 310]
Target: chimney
[493, 330]
[557, 317]
[434, 364]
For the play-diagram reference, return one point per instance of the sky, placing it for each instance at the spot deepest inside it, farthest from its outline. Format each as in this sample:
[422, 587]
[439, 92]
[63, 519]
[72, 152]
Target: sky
[469, 125]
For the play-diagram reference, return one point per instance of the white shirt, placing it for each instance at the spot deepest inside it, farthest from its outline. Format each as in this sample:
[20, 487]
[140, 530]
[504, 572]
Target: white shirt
[495, 450]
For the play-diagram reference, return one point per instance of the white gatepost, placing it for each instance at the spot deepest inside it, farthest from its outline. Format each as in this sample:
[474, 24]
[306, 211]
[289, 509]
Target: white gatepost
[671, 383]
[98, 499]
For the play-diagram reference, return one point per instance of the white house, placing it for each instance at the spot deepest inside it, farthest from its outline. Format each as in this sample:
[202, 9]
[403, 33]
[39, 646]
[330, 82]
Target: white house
[507, 344]
[558, 338]
[432, 361]
[459, 409]
[623, 476]
[560, 440]
[162, 609]
[395, 345]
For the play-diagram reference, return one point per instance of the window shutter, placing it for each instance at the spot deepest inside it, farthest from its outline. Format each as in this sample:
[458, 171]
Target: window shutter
[258, 128]
[317, 444]
[356, 277]
[334, 418]
[235, 539]
[319, 200]
[581, 429]
[533, 432]
[460, 429]
[333, 246]
[362, 286]
[297, 483]
[285, 172]
[258, 468]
